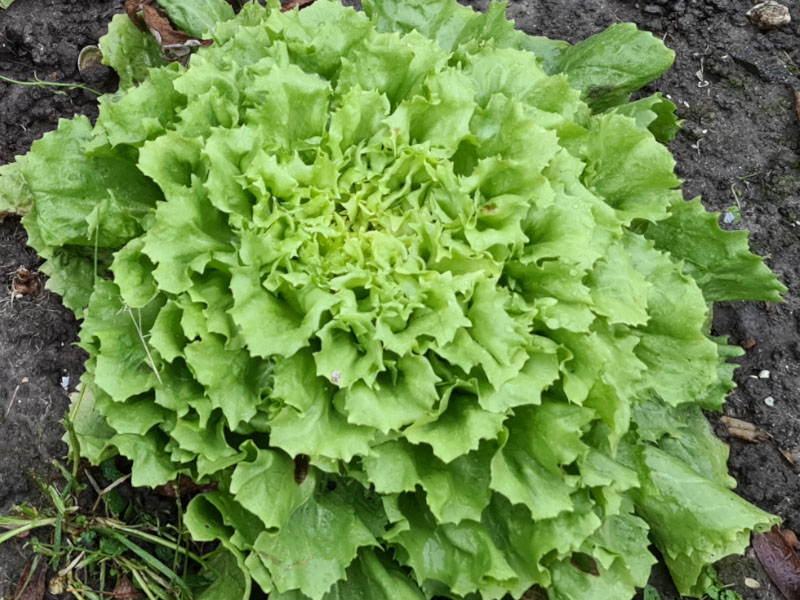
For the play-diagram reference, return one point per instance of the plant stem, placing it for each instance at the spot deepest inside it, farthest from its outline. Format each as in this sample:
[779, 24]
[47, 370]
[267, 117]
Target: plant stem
[34, 524]
[37, 83]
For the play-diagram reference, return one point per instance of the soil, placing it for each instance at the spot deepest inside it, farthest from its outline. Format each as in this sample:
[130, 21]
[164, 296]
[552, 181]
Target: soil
[740, 147]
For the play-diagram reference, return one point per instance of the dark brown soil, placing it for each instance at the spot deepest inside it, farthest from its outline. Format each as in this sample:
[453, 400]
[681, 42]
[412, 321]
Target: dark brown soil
[740, 145]
[38, 39]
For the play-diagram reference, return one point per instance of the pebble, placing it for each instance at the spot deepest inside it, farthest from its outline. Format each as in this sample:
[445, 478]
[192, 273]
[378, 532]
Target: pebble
[751, 583]
[769, 15]
[65, 382]
[769, 401]
[763, 374]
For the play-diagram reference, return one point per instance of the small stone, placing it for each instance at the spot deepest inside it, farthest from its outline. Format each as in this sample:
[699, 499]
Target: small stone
[65, 382]
[769, 15]
[751, 583]
[763, 374]
[652, 9]
[728, 218]
[769, 401]
[750, 343]
[25, 380]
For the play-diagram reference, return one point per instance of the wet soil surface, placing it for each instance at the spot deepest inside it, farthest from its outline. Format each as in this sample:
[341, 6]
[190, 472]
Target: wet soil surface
[39, 365]
[740, 147]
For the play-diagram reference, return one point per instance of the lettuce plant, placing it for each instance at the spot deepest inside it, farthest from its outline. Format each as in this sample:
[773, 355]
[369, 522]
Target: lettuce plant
[418, 291]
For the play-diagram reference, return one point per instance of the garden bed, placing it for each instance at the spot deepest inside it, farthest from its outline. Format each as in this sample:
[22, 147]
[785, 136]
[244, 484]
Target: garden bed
[740, 147]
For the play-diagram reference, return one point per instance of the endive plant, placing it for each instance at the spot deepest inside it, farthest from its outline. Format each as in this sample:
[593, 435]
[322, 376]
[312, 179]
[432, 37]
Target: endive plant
[418, 291]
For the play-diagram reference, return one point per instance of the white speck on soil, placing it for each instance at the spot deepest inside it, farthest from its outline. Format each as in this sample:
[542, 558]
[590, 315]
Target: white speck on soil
[769, 401]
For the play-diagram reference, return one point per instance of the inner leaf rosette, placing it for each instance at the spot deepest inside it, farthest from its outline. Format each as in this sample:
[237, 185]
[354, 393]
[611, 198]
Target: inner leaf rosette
[417, 291]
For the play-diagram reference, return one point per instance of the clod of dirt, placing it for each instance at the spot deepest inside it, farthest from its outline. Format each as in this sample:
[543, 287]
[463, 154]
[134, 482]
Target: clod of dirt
[25, 282]
[779, 561]
[31, 585]
[97, 74]
[748, 344]
[745, 431]
[769, 15]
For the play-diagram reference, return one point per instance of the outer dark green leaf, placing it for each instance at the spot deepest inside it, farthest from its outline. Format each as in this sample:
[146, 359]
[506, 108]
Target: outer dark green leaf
[719, 261]
[611, 65]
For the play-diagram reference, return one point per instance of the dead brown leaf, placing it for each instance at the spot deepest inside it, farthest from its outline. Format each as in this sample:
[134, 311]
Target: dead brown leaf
[125, 590]
[25, 282]
[779, 561]
[787, 456]
[295, 4]
[175, 44]
[186, 487]
[745, 431]
[132, 8]
[31, 585]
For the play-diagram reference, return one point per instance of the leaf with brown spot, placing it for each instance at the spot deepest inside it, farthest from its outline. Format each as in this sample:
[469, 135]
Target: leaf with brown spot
[31, 585]
[585, 564]
[779, 561]
[745, 431]
[301, 462]
[125, 590]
